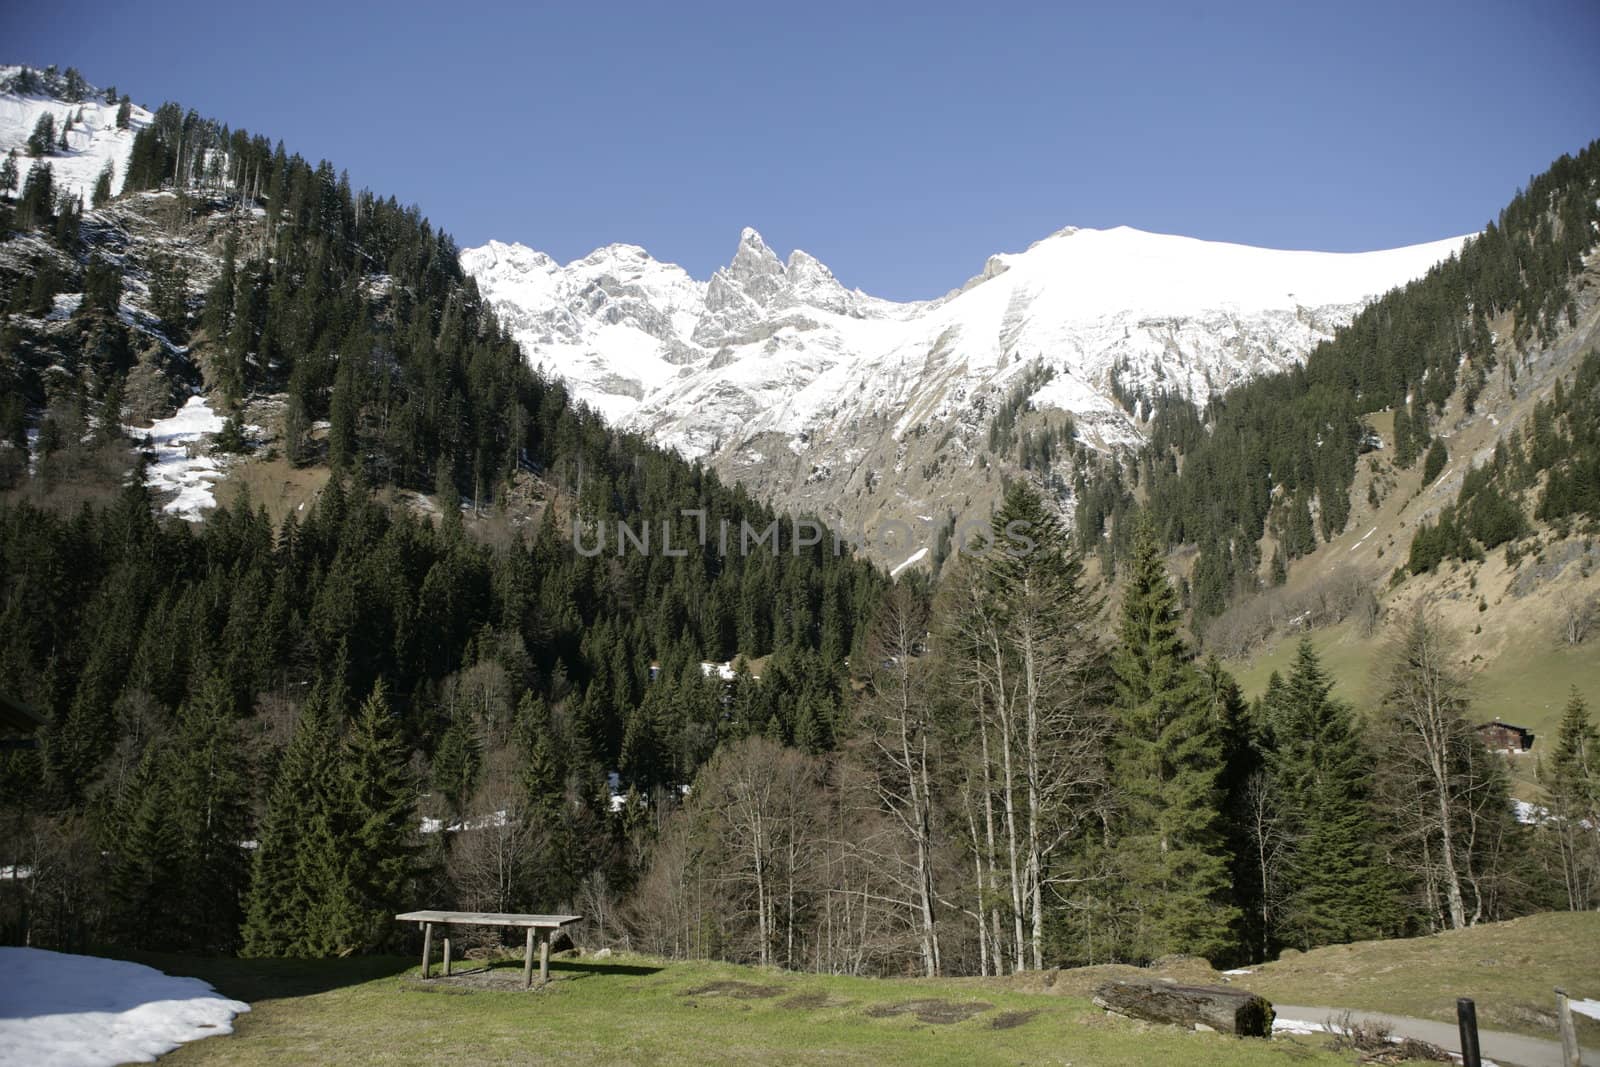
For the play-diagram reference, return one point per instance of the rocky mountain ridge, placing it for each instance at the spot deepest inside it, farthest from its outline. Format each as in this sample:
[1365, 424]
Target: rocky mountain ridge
[860, 409]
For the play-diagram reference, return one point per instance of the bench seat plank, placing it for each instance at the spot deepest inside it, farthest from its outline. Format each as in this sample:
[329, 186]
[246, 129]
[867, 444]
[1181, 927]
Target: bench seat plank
[488, 918]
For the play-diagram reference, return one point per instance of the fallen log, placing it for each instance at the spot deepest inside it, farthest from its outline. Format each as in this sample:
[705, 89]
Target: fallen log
[1228, 1011]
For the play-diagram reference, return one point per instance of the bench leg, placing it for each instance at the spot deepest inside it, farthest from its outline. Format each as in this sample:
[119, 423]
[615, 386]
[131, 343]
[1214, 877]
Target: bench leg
[447, 957]
[527, 962]
[427, 946]
[544, 956]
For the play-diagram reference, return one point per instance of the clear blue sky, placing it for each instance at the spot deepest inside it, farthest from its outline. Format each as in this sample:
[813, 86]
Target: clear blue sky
[899, 144]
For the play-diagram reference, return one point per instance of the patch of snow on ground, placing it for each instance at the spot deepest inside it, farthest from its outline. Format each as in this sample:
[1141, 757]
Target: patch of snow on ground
[1588, 1007]
[59, 1010]
[1529, 814]
[179, 466]
[1297, 1026]
[66, 305]
[724, 671]
[908, 561]
[1239, 970]
[481, 822]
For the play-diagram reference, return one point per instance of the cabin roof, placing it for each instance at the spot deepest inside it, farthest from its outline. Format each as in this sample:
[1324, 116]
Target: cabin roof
[1507, 725]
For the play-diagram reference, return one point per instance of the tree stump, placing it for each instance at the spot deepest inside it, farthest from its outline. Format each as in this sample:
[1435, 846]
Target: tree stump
[1228, 1011]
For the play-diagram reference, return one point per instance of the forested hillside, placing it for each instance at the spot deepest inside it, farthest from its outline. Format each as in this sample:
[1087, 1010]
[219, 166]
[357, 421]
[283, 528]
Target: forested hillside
[267, 736]
[1273, 461]
[188, 673]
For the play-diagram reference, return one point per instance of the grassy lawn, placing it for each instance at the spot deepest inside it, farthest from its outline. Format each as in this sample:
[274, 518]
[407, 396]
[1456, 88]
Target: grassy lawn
[1510, 969]
[640, 1010]
[1527, 683]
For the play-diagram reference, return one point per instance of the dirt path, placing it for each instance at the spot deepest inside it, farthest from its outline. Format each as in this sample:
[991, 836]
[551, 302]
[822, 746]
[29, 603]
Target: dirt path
[1508, 1050]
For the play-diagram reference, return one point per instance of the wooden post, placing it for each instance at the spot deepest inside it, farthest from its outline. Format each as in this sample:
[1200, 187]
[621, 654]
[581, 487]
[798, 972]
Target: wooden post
[544, 956]
[527, 962]
[1467, 1023]
[427, 946]
[447, 957]
[1570, 1055]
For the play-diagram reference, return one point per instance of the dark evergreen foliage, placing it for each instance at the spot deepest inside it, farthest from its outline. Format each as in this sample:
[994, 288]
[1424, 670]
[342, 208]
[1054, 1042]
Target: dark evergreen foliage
[1255, 458]
[1167, 757]
[1335, 887]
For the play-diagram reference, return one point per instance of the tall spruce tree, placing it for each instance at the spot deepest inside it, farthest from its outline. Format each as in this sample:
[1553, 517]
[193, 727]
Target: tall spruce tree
[209, 793]
[144, 905]
[297, 859]
[1336, 888]
[43, 137]
[102, 185]
[1572, 782]
[382, 819]
[1166, 758]
[1433, 463]
[1242, 762]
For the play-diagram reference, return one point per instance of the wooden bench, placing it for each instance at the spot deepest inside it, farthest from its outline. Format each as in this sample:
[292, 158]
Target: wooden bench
[542, 925]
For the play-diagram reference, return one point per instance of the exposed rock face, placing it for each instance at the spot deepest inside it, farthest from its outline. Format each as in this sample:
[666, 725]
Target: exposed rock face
[858, 409]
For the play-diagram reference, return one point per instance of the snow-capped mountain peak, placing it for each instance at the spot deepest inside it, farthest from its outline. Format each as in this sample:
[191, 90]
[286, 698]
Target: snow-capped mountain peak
[780, 376]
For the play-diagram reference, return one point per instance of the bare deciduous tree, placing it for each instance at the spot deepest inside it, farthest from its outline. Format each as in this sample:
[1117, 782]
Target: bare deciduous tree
[1576, 613]
[1269, 844]
[1437, 781]
[897, 735]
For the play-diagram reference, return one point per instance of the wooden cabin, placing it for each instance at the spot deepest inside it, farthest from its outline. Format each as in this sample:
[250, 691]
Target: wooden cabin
[1504, 737]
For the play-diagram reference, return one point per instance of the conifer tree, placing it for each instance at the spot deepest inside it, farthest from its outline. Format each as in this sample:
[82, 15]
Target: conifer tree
[296, 861]
[75, 88]
[145, 905]
[37, 204]
[642, 761]
[542, 775]
[456, 761]
[43, 137]
[208, 796]
[1280, 572]
[1405, 442]
[1167, 757]
[8, 174]
[102, 186]
[1336, 887]
[1242, 763]
[1433, 463]
[1572, 781]
[382, 817]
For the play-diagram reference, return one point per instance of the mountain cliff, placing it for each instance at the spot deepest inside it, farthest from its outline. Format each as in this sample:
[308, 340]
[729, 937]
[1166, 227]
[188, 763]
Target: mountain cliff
[861, 409]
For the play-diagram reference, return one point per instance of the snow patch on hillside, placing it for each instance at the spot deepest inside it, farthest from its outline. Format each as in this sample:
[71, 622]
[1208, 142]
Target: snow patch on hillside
[60, 1010]
[179, 464]
[909, 561]
[91, 143]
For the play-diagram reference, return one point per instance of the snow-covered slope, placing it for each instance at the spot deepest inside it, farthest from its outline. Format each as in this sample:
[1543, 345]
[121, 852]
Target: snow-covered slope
[783, 347]
[93, 139]
[616, 324]
[776, 373]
